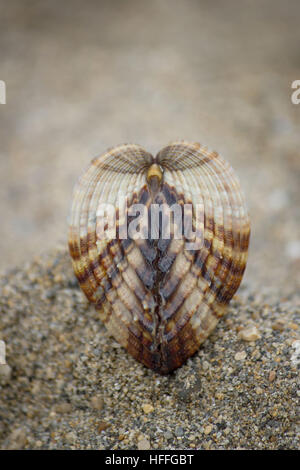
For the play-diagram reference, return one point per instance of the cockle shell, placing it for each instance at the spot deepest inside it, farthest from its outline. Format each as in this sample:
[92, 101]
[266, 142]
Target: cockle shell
[159, 299]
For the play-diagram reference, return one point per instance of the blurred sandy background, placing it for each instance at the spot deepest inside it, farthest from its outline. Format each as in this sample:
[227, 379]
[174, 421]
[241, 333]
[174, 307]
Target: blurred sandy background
[82, 76]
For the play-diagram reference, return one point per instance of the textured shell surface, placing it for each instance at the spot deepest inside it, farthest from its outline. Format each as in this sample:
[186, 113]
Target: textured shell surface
[159, 298]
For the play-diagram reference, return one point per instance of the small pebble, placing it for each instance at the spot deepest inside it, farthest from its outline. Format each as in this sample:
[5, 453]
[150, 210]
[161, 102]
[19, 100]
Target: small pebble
[278, 325]
[63, 408]
[17, 439]
[5, 374]
[147, 408]
[240, 356]
[208, 429]
[143, 444]
[272, 375]
[96, 403]
[249, 334]
[179, 431]
[71, 437]
[102, 426]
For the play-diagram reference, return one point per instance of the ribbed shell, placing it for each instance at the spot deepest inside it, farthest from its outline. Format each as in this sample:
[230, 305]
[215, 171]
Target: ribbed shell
[159, 299]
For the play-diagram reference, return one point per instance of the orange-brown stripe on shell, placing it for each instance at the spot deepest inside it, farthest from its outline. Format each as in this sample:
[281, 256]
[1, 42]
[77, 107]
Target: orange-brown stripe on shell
[159, 299]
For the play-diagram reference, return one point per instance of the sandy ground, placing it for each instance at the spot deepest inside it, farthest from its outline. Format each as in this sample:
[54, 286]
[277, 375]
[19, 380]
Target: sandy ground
[80, 80]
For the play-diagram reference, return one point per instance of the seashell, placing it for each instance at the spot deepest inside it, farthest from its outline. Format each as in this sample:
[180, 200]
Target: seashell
[159, 297]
